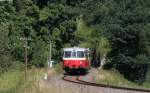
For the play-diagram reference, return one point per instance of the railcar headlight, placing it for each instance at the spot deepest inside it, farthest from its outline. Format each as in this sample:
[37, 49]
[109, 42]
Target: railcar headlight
[80, 62]
[67, 62]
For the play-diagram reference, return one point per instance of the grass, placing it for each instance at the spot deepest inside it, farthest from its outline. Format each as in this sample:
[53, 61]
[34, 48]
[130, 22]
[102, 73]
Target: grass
[14, 82]
[9, 81]
[111, 77]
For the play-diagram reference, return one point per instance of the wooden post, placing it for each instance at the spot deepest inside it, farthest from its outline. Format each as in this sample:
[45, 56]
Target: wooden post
[25, 41]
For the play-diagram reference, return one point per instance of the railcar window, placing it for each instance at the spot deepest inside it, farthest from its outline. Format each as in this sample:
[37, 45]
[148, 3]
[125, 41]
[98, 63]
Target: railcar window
[67, 54]
[80, 54]
[73, 54]
[86, 54]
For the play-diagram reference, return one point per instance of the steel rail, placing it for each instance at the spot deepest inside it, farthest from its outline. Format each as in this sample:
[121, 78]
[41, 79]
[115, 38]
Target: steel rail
[79, 81]
[111, 86]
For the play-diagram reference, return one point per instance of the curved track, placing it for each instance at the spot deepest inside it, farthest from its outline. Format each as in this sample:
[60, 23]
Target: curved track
[79, 81]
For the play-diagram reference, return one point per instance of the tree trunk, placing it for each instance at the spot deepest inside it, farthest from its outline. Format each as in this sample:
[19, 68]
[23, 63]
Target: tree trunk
[102, 61]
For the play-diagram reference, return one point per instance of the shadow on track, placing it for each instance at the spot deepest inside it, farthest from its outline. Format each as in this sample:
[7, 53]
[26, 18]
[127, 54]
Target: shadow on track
[76, 73]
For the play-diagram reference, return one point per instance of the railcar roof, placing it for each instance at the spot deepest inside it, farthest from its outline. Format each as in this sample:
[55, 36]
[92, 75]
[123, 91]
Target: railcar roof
[74, 48]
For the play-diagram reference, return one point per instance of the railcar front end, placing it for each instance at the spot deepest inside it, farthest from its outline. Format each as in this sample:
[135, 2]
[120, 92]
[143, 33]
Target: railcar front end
[75, 59]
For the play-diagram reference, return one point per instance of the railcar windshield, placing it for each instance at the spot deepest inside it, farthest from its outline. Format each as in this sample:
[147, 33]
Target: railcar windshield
[80, 54]
[67, 54]
[74, 54]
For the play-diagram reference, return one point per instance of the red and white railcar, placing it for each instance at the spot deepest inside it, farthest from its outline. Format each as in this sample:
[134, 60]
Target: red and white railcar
[75, 58]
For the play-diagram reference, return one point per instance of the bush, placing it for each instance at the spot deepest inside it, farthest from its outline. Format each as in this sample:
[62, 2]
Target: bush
[19, 66]
[5, 63]
[134, 69]
[108, 65]
[59, 67]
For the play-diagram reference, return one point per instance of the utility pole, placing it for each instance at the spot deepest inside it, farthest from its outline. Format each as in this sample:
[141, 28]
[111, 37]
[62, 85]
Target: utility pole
[25, 40]
[50, 54]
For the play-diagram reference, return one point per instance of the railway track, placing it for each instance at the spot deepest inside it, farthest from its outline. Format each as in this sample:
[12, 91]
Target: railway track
[77, 79]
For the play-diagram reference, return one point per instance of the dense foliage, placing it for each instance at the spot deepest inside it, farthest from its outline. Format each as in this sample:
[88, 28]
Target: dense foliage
[118, 30]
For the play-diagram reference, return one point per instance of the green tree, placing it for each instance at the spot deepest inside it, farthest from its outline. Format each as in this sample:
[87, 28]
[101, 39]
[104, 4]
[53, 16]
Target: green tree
[102, 48]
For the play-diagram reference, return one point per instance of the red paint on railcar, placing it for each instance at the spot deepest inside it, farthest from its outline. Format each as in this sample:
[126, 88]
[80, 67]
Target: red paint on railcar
[76, 63]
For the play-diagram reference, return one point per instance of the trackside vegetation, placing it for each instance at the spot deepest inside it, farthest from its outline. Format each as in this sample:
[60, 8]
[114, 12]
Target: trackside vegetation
[117, 80]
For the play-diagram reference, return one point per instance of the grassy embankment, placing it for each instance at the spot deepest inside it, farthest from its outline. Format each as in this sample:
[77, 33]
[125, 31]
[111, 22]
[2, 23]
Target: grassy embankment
[111, 77]
[14, 81]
